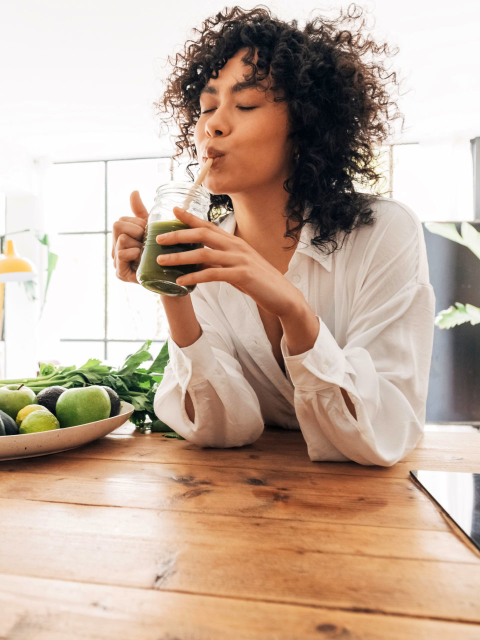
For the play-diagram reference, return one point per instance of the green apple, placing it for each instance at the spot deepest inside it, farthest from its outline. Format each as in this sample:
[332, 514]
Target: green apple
[13, 398]
[82, 405]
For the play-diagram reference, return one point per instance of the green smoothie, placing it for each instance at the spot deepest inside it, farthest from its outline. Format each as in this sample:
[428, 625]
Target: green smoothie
[158, 278]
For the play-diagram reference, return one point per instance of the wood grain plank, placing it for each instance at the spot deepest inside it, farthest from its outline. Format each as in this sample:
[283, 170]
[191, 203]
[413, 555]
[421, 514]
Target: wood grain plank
[192, 527]
[283, 449]
[389, 502]
[89, 544]
[36, 609]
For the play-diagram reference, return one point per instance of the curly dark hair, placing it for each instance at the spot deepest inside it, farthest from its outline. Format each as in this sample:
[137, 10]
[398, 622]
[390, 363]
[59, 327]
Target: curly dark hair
[339, 107]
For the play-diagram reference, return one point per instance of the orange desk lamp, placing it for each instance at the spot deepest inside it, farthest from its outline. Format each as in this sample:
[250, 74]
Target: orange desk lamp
[13, 268]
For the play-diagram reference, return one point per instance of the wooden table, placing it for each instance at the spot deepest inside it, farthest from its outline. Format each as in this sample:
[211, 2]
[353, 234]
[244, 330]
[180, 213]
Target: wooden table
[140, 537]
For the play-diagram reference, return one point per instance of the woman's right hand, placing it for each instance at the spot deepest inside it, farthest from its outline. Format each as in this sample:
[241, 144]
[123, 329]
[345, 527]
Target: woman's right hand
[126, 253]
[128, 240]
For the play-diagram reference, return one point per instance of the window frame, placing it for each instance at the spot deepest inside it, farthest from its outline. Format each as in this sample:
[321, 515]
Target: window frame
[105, 233]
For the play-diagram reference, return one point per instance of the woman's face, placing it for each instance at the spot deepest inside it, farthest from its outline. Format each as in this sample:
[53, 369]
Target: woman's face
[248, 127]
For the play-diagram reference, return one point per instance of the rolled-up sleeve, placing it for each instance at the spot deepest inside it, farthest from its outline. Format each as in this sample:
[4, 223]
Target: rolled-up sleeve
[384, 365]
[227, 410]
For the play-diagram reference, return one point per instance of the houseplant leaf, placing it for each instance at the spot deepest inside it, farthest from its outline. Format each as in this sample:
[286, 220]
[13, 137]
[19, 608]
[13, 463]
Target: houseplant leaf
[471, 237]
[452, 317]
[445, 229]
[52, 259]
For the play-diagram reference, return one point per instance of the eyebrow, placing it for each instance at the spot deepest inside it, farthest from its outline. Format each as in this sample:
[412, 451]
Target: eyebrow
[235, 88]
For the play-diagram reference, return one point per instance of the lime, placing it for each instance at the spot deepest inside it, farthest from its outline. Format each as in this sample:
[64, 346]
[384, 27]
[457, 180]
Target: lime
[39, 421]
[23, 413]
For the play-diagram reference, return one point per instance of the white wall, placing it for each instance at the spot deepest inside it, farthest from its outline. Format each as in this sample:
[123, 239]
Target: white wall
[82, 77]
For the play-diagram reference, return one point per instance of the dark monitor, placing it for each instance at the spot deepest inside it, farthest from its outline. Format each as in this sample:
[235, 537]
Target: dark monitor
[454, 385]
[457, 494]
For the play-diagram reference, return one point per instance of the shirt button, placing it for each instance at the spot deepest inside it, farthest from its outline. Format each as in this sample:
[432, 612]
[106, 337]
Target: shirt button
[324, 368]
[296, 278]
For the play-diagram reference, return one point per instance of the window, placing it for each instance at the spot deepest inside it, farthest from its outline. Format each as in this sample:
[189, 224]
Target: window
[96, 314]
[435, 179]
[407, 182]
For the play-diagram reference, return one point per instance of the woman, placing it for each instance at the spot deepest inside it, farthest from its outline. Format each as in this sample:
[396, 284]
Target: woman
[280, 329]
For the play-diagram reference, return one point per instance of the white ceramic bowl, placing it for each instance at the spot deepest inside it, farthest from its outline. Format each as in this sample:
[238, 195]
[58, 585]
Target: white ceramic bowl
[29, 445]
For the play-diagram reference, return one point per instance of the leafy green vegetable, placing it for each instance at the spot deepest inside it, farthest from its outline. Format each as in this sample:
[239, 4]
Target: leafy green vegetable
[159, 426]
[132, 362]
[132, 383]
[161, 361]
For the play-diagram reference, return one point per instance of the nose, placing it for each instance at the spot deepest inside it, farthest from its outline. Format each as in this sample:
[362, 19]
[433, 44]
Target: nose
[217, 124]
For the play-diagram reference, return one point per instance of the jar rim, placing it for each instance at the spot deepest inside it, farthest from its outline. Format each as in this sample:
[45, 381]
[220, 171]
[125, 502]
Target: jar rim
[183, 188]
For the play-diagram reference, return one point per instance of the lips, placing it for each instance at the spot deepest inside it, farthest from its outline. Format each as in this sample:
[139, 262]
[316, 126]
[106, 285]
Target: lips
[210, 152]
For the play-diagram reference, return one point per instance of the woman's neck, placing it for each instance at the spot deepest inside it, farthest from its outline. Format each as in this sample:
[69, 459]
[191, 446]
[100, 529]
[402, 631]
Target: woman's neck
[261, 222]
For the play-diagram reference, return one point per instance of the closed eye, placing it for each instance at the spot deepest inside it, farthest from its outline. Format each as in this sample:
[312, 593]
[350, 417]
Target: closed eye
[238, 107]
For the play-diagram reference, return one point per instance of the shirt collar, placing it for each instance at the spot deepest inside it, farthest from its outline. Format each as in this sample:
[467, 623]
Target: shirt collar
[305, 246]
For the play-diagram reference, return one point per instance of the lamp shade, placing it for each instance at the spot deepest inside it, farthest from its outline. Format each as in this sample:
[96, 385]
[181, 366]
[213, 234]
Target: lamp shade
[13, 268]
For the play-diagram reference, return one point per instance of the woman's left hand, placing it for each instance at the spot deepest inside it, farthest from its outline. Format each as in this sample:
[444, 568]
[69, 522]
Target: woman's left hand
[230, 259]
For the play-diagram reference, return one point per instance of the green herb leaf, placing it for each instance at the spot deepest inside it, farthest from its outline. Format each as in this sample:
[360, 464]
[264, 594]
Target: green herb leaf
[116, 383]
[136, 359]
[46, 369]
[90, 364]
[158, 426]
[139, 403]
[161, 361]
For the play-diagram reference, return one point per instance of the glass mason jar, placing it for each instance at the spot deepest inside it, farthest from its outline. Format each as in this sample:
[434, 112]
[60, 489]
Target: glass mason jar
[161, 219]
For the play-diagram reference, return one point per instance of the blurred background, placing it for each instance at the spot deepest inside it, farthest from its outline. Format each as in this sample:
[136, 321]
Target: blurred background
[78, 133]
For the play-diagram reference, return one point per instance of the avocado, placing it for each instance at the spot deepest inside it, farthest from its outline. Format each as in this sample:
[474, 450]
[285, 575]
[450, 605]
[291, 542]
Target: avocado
[9, 424]
[49, 396]
[2, 428]
[114, 401]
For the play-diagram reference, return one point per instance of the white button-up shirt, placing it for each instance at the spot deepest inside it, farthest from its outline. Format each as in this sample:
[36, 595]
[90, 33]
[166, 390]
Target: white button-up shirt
[376, 309]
